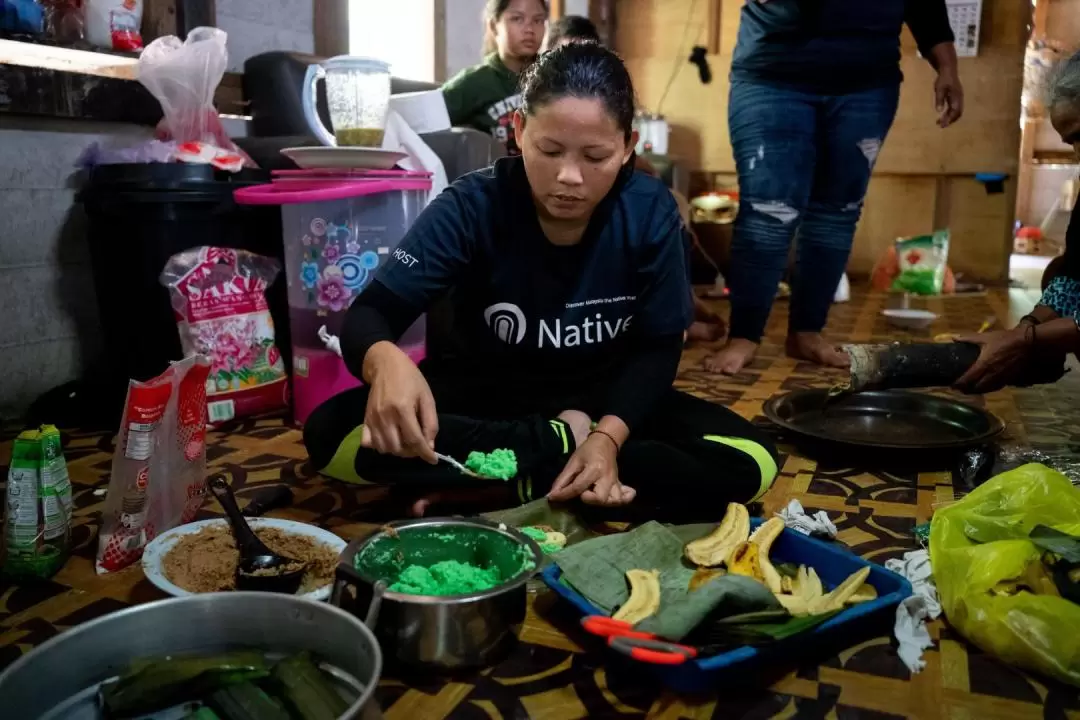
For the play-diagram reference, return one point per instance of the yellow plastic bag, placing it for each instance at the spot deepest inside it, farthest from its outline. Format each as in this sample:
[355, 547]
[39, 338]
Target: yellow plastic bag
[981, 541]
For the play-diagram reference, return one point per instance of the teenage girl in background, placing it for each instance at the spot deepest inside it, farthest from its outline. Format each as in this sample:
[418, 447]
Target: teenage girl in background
[486, 96]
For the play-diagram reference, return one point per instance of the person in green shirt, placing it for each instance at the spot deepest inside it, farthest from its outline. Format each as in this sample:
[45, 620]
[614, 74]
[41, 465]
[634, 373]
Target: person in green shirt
[486, 96]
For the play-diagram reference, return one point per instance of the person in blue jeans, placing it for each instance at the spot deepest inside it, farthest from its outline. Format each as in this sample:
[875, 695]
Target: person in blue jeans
[814, 89]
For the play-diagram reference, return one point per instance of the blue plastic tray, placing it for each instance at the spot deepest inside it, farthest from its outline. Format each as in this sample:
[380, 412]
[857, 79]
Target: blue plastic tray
[834, 564]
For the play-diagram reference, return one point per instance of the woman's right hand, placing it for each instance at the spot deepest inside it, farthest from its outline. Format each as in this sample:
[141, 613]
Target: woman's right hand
[400, 417]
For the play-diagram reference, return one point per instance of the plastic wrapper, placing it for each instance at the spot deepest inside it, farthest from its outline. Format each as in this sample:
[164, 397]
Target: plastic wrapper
[114, 24]
[150, 151]
[37, 521]
[981, 554]
[183, 77]
[923, 261]
[219, 298]
[159, 466]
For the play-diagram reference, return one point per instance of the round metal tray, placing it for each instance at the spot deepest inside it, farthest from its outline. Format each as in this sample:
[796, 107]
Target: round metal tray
[889, 419]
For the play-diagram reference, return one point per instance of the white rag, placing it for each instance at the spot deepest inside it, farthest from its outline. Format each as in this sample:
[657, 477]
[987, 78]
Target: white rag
[795, 517]
[402, 138]
[912, 613]
[332, 343]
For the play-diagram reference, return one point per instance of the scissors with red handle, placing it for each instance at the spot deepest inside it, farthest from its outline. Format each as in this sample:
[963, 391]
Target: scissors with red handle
[641, 646]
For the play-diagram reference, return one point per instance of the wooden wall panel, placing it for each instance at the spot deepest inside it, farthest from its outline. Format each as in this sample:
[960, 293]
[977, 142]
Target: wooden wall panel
[894, 207]
[987, 138]
[980, 227]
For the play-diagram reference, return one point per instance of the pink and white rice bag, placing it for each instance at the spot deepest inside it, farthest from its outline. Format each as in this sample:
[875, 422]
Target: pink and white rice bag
[219, 300]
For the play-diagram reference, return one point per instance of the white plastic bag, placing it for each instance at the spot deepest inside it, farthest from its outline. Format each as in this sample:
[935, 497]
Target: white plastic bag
[159, 465]
[114, 24]
[183, 77]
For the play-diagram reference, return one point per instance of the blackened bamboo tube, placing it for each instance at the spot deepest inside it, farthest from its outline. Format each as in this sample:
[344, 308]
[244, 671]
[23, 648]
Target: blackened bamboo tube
[909, 365]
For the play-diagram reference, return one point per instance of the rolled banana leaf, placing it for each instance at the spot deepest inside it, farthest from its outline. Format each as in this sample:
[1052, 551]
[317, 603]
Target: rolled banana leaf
[155, 684]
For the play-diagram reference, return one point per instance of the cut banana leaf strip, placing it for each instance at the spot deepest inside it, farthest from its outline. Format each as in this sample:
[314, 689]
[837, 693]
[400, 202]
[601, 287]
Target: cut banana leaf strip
[1057, 542]
[720, 635]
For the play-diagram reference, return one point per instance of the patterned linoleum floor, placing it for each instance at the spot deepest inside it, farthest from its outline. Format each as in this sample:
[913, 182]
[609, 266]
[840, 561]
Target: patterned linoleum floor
[558, 674]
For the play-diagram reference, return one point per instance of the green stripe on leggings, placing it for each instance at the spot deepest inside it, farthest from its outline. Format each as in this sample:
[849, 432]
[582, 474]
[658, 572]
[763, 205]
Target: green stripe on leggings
[343, 465]
[560, 429]
[761, 456]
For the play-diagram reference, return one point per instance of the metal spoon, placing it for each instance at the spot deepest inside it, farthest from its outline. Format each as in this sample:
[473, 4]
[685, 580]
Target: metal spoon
[460, 468]
[255, 558]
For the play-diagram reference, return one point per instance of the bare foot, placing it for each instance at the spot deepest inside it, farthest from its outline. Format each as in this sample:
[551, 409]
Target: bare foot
[580, 425]
[813, 347]
[704, 332]
[736, 355]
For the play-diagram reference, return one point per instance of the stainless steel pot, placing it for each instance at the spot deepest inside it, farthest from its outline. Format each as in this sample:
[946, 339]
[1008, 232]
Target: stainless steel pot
[59, 680]
[441, 632]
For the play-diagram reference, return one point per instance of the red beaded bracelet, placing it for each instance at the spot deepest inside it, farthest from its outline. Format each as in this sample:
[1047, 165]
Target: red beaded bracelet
[608, 435]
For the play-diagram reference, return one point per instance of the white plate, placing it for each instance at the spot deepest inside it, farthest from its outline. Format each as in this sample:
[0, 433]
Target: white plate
[346, 158]
[155, 552]
[910, 318]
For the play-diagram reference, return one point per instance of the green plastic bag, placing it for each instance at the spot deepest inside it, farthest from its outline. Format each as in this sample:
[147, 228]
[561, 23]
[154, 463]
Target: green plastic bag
[982, 541]
[923, 260]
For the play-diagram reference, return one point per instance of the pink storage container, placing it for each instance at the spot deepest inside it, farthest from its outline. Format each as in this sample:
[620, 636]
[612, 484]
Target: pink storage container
[338, 228]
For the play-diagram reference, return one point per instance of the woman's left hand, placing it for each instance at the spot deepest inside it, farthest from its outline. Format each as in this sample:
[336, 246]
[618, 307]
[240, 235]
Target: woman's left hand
[592, 473]
[1004, 356]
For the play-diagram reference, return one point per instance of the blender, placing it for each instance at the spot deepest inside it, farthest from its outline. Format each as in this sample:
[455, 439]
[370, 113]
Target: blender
[357, 95]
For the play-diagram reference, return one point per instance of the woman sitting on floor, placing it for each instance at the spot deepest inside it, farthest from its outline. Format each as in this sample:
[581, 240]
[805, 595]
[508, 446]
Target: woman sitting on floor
[571, 298]
[1035, 350]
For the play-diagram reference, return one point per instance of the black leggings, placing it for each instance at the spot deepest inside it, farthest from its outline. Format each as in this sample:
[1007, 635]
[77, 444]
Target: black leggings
[686, 461]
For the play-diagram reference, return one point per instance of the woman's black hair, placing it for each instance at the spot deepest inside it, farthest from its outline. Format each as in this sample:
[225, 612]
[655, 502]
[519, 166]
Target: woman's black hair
[581, 70]
[493, 10]
[572, 27]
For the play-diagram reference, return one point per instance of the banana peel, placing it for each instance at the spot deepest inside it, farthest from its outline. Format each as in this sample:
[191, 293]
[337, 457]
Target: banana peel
[745, 560]
[866, 593]
[644, 598]
[840, 594]
[764, 537]
[808, 596]
[715, 548]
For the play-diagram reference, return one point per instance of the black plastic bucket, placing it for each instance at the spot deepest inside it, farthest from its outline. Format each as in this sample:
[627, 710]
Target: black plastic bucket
[140, 215]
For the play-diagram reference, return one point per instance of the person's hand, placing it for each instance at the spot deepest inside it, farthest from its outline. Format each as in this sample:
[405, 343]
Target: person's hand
[1003, 357]
[592, 473]
[400, 417]
[948, 97]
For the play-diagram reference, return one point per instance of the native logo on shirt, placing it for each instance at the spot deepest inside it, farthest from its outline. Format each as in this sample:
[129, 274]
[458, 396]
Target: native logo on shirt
[508, 323]
[502, 114]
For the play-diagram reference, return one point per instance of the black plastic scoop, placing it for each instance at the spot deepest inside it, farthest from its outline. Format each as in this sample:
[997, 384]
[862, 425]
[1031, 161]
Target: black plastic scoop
[259, 568]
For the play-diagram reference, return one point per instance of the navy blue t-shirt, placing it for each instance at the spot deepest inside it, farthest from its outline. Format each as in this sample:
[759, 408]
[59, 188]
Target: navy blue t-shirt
[832, 46]
[526, 308]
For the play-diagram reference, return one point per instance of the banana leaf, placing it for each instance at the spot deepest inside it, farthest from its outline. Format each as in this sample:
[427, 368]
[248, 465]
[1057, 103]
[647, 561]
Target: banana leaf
[1057, 542]
[151, 684]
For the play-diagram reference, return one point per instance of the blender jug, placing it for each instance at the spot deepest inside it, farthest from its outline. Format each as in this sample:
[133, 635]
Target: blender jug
[357, 94]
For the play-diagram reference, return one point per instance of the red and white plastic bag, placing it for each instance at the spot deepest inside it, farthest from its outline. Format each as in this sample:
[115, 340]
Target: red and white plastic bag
[219, 300]
[159, 466]
[114, 24]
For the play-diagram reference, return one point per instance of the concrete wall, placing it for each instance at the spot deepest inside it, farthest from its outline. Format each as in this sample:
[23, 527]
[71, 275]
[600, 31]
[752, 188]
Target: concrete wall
[256, 26]
[465, 31]
[464, 34]
[49, 329]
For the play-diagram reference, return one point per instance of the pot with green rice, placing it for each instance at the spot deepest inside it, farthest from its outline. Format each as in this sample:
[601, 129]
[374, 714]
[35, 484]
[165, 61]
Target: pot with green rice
[454, 588]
